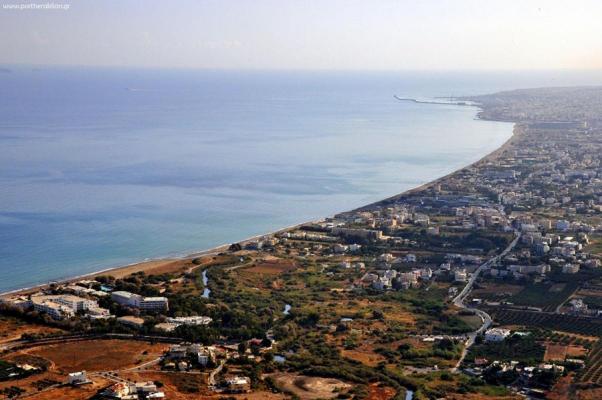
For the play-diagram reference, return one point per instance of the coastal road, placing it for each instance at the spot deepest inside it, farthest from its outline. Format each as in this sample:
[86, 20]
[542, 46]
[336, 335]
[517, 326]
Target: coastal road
[459, 300]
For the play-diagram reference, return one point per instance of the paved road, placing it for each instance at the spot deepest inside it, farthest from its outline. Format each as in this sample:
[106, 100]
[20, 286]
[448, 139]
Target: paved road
[459, 300]
[212, 382]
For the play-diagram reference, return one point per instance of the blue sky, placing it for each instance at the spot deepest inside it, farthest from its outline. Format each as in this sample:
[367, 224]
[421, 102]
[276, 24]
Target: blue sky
[295, 34]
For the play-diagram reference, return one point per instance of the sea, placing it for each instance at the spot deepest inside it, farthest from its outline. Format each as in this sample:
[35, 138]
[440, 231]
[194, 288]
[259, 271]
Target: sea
[103, 167]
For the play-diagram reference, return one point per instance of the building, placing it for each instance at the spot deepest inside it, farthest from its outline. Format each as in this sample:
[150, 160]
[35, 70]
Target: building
[570, 268]
[190, 320]
[133, 391]
[51, 308]
[126, 298]
[563, 225]
[460, 275]
[362, 234]
[134, 322]
[154, 303]
[66, 306]
[136, 301]
[238, 384]
[496, 334]
[78, 378]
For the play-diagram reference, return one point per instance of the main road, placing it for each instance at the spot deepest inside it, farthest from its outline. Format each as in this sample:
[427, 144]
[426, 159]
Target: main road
[459, 299]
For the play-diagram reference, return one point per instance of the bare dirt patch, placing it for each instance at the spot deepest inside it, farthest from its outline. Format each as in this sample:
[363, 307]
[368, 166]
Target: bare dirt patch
[495, 290]
[98, 355]
[575, 351]
[364, 354]
[12, 328]
[310, 387]
[150, 268]
[555, 352]
[377, 392]
[272, 267]
[589, 394]
[83, 392]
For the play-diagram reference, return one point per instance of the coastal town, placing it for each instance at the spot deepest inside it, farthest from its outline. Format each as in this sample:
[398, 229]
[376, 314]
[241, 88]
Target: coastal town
[484, 284]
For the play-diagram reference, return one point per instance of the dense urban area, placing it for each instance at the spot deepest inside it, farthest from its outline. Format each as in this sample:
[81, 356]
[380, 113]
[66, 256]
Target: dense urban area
[484, 284]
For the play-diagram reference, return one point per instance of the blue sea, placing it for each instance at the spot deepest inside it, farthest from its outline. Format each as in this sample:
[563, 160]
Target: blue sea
[101, 167]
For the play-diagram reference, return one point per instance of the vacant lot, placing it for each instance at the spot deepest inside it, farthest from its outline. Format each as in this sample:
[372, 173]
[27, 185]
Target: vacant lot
[378, 392]
[495, 291]
[272, 267]
[98, 355]
[555, 352]
[364, 354]
[83, 392]
[12, 328]
[310, 387]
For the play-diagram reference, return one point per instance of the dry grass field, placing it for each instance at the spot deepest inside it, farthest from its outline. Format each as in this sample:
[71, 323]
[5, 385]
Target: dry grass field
[274, 266]
[555, 352]
[377, 392]
[364, 354]
[83, 392]
[98, 355]
[12, 328]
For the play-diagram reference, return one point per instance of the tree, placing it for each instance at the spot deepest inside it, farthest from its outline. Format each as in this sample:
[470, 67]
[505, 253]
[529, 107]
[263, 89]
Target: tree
[242, 347]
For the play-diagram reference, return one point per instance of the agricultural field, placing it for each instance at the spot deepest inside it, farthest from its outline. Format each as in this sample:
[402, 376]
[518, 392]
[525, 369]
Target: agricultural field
[495, 291]
[593, 367]
[560, 322]
[525, 349]
[546, 296]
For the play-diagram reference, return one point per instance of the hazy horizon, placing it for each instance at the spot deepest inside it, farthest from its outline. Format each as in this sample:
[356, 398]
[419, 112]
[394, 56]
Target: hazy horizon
[334, 35]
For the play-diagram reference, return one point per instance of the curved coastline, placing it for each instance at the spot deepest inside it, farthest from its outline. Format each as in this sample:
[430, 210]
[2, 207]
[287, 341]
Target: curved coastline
[139, 266]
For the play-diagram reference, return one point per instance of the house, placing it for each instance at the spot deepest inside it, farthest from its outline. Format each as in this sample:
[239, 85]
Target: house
[570, 268]
[410, 258]
[496, 334]
[460, 275]
[133, 391]
[238, 384]
[78, 378]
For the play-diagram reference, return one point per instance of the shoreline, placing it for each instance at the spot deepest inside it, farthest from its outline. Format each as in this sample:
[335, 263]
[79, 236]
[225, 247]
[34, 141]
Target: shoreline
[516, 132]
[148, 264]
[142, 266]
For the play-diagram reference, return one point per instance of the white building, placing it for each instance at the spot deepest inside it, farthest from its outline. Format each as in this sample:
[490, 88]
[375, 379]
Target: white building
[65, 306]
[460, 275]
[191, 320]
[496, 334]
[137, 301]
[239, 384]
[78, 378]
[570, 268]
[563, 225]
[133, 391]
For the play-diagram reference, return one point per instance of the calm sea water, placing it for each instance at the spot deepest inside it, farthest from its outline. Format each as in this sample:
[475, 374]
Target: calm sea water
[104, 167]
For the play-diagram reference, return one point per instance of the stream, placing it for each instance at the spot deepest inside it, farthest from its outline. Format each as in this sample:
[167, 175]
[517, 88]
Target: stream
[206, 291]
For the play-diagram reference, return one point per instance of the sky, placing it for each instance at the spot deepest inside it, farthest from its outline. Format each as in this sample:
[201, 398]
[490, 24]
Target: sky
[295, 34]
